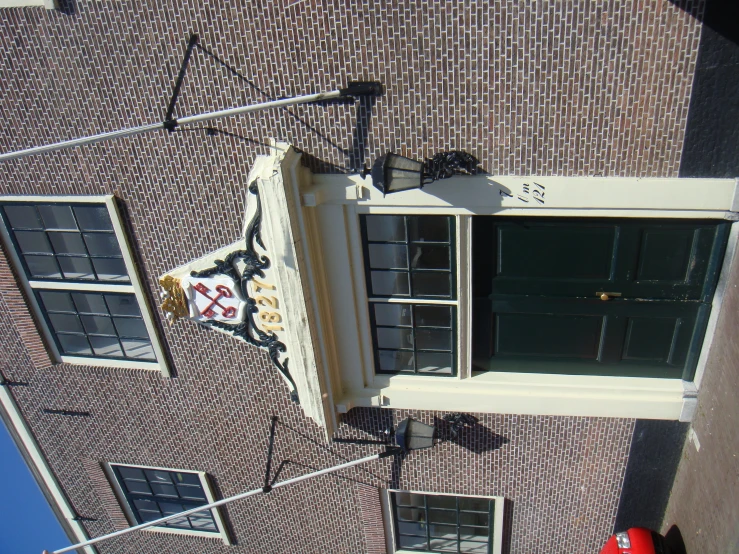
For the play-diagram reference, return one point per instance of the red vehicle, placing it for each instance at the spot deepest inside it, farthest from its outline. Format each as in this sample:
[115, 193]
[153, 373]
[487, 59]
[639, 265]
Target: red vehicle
[636, 540]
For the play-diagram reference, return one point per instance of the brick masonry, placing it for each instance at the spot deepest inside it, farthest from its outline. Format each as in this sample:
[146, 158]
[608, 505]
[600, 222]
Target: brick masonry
[528, 87]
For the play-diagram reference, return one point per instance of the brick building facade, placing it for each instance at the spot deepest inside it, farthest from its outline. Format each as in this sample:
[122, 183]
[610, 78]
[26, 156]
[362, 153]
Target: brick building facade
[540, 88]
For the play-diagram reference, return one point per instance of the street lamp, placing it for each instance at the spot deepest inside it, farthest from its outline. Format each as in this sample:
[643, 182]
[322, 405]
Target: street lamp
[410, 435]
[395, 173]
[414, 435]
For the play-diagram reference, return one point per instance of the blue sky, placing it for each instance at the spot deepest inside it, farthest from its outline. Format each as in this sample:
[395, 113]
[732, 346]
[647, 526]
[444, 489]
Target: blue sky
[27, 524]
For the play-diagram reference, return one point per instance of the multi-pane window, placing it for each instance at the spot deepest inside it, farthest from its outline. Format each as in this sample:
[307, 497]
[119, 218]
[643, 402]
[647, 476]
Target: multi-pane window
[441, 523]
[72, 261]
[410, 266]
[155, 493]
[94, 324]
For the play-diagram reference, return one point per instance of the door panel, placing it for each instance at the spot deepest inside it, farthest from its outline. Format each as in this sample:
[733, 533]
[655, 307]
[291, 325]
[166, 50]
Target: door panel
[537, 286]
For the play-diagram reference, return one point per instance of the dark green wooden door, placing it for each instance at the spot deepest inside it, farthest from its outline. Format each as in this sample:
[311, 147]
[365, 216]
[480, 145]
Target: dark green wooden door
[538, 287]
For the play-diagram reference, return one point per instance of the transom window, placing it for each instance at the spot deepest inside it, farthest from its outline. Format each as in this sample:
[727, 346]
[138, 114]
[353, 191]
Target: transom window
[441, 523]
[411, 268]
[152, 493]
[74, 262]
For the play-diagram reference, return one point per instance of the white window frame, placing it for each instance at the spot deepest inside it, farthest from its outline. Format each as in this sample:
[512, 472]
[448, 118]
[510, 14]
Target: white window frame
[48, 4]
[389, 521]
[133, 287]
[460, 357]
[204, 483]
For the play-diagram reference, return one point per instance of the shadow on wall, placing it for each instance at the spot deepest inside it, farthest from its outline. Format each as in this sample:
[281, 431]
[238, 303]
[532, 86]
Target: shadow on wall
[718, 15]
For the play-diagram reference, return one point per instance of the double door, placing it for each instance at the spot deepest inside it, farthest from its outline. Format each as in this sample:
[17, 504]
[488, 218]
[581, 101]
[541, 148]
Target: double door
[624, 297]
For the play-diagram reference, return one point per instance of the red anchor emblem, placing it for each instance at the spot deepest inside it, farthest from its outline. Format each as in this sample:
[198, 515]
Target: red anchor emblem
[223, 292]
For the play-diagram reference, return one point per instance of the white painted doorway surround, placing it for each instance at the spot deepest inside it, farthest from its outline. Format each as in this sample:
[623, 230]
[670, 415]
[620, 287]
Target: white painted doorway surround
[318, 216]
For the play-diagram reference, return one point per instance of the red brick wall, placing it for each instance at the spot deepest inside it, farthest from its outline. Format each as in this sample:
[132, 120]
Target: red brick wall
[577, 88]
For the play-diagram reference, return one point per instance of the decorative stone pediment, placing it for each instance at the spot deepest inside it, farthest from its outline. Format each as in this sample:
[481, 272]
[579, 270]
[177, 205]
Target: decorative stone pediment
[254, 289]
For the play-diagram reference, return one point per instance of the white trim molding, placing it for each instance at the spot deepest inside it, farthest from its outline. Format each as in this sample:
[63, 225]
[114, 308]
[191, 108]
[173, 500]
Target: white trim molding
[323, 212]
[41, 470]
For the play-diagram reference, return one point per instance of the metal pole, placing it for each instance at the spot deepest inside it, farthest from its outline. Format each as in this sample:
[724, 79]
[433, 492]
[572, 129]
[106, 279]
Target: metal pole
[172, 124]
[385, 454]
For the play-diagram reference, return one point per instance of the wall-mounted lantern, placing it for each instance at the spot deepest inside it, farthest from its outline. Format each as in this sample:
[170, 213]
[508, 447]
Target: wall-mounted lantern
[395, 173]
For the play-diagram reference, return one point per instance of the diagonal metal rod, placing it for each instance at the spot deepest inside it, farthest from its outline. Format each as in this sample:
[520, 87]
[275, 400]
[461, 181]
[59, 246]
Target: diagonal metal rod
[173, 123]
[387, 453]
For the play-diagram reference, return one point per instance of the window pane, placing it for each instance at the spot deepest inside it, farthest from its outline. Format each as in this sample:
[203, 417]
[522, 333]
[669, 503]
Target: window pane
[57, 217]
[33, 242]
[23, 217]
[169, 508]
[429, 228]
[147, 515]
[179, 523]
[431, 284]
[468, 547]
[433, 339]
[407, 528]
[411, 514]
[146, 504]
[137, 487]
[186, 478]
[122, 304]
[392, 360]
[43, 266]
[441, 516]
[479, 519]
[76, 268]
[130, 327]
[191, 493]
[89, 303]
[67, 243]
[161, 489]
[93, 218]
[57, 301]
[448, 502]
[156, 476]
[203, 521]
[433, 316]
[394, 338]
[138, 349]
[65, 323]
[106, 346]
[415, 543]
[443, 531]
[437, 363]
[98, 325]
[429, 256]
[131, 473]
[474, 504]
[474, 533]
[74, 345]
[110, 269]
[102, 244]
[388, 256]
[409, 499]
[444, 545]
[390, 283]
[392, 314]
[385, 228]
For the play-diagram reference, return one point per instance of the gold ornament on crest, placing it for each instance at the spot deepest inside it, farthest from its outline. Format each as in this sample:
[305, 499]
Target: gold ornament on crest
[174, 303]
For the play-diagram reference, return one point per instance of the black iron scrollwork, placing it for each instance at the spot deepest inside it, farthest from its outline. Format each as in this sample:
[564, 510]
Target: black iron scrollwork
[254, 265]
[447, 164]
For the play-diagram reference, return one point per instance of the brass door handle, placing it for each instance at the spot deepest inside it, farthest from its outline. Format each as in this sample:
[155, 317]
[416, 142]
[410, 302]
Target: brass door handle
[607, 295]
